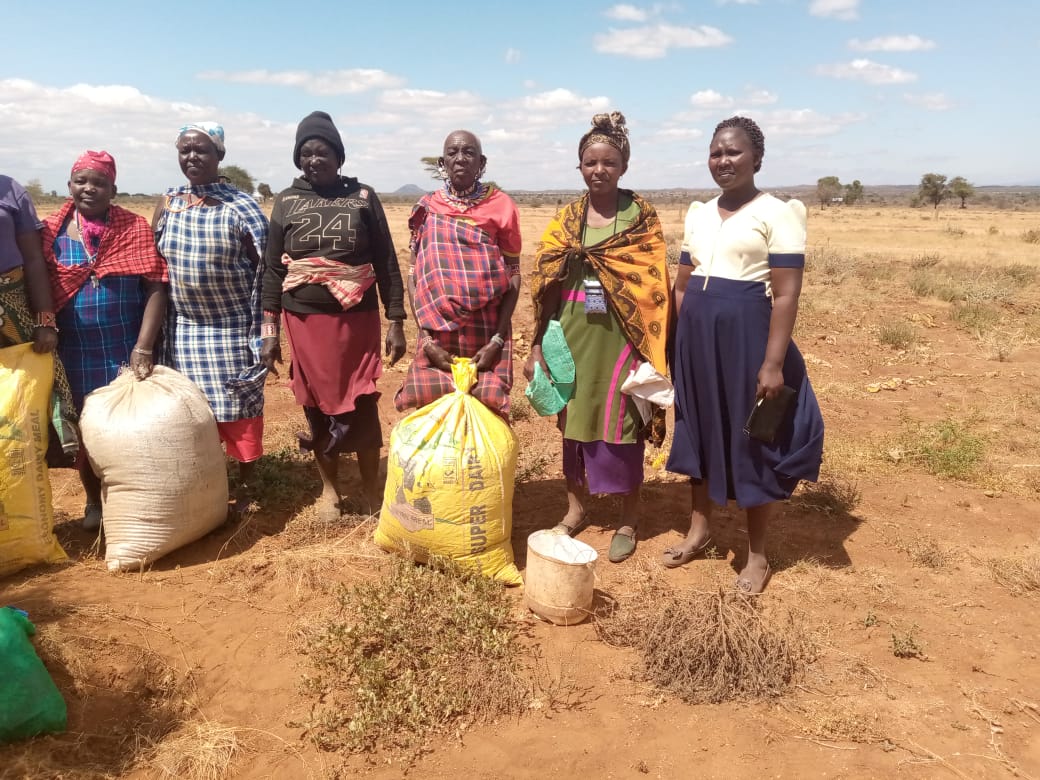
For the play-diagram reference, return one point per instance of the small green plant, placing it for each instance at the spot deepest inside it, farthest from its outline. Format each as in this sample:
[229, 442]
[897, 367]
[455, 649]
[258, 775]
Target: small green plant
[421, 651]
[947, 448]
[905, 645]
[898, 335]
[975, 318]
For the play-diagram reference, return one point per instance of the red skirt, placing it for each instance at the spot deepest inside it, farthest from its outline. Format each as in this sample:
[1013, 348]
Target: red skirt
[335, 358]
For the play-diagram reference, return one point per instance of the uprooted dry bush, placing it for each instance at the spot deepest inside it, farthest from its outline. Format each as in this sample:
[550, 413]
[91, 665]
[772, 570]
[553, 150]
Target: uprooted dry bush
[1019, 574]
[709, 647]
[424, 650]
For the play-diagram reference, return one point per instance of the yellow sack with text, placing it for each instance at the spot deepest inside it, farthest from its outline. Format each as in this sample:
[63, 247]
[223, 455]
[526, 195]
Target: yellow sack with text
[26, 515]
[449, 483]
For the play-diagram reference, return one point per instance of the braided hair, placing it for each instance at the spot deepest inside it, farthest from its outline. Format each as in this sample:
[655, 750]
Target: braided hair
[753, 131]
[607, 129]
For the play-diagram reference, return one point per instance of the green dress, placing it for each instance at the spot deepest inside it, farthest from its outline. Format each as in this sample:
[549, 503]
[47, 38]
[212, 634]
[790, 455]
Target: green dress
[602, 354]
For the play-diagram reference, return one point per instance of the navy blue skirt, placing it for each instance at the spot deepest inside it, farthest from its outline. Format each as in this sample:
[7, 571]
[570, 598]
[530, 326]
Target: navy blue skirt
[719, 347]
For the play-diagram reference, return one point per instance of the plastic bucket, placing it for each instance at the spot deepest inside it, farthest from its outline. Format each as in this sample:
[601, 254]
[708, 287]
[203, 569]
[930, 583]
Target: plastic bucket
[559, 578]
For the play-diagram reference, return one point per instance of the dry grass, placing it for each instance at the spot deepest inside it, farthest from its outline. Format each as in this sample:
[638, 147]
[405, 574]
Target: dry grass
[709, 647]
[198, 750]
[927, 552]
[424, 650]
[1019, 574]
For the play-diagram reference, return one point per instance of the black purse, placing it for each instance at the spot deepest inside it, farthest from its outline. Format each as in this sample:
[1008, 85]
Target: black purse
[768, 415]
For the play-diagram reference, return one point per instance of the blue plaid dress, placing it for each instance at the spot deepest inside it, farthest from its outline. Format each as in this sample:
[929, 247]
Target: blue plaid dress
[99, 326]
[213, 318]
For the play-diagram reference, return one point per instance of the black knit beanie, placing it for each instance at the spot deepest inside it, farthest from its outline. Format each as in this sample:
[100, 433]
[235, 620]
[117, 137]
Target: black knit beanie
[318, 124]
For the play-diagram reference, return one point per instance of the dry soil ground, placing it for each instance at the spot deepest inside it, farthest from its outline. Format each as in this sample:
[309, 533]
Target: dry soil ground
[914, 562]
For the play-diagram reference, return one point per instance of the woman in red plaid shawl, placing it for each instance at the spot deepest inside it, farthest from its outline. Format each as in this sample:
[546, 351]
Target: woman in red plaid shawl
[109, 287]
[464, 281]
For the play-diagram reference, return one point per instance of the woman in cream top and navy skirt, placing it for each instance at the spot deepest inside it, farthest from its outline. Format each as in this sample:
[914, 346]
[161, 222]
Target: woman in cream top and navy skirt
[736, 295]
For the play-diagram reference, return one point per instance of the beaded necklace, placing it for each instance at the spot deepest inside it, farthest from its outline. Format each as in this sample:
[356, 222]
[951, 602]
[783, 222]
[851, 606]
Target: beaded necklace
[466, 199]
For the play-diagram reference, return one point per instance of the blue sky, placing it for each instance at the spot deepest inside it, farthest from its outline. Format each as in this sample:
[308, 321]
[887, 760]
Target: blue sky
[876, 90]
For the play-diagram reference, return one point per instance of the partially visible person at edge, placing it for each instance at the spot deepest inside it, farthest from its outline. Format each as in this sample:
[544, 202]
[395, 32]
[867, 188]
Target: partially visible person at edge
[330, 251]
[736, 293]
[109, 287]
[27, 310]
[464, 281]
[213, 236]
[600, 268]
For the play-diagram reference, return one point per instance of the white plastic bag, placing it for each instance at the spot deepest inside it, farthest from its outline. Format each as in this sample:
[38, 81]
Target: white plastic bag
[155, 446]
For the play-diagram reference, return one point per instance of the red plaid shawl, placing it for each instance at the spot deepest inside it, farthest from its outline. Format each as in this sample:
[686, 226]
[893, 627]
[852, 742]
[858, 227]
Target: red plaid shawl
[127, 249]
[459, 270]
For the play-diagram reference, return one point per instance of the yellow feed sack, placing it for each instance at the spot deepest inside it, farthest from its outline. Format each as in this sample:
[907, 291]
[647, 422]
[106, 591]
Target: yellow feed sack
[449, 483]
[26, 516]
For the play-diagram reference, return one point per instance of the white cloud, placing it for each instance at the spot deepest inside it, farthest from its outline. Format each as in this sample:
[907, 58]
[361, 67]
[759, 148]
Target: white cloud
[530, 84]
[761, 97]
[435, 106]
[866, 70]
[899, 43]
[709, 98]
[654, 41]
[627, 13]
[933, 101]
[326, 82]
[846, 10]
[804, 122]
[737, 2]
[512, 56]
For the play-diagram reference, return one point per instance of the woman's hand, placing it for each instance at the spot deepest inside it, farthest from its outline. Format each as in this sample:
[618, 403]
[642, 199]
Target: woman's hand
[770, 380]
[271, 353]
[535, 357]
[488, 355]
[141, 364]
[438, 357]
[44, 339]
[395, 341]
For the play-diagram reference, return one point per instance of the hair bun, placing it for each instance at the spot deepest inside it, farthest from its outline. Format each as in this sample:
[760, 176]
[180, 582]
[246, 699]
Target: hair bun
[614, 122]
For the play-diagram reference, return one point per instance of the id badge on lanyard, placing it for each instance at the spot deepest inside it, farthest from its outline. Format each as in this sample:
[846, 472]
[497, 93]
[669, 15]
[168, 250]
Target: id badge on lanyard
[595, 300]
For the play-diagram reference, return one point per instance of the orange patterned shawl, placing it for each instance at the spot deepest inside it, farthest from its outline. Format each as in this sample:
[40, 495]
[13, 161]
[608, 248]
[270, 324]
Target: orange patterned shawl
[632, 267]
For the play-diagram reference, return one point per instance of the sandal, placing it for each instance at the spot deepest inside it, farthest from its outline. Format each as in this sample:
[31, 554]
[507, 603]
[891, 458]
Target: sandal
[91, 517]
[676, 556]
[750, 587]
[622, 545]
[572, 530]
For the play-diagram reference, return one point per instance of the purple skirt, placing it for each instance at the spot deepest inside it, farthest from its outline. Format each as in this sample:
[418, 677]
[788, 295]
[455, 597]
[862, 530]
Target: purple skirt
[719, 348]
[602, 467]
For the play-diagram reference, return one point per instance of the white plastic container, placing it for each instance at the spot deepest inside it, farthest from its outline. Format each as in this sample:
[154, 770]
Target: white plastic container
[559, 579]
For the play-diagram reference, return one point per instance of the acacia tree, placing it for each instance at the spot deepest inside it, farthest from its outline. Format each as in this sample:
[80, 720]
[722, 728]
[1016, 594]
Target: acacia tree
[35, 189]
[264, 190]
[237, 177]
[853, 192]
[432, 166]
[933, 189]
[827, 189]
[961, 188]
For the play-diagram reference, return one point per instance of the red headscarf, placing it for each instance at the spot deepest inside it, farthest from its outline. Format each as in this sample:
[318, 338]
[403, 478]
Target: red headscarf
[102, 162]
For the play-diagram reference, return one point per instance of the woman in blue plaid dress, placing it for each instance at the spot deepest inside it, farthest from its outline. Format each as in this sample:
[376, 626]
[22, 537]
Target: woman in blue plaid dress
[212, 236]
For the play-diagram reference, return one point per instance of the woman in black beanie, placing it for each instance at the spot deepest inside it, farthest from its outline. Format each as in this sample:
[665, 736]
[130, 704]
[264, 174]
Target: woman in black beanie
[328, 253]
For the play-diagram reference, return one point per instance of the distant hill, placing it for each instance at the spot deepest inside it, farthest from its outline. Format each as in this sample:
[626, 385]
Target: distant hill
[410, 189]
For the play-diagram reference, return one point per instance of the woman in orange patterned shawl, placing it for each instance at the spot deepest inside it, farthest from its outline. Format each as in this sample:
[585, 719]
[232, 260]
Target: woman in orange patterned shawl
[600, 270]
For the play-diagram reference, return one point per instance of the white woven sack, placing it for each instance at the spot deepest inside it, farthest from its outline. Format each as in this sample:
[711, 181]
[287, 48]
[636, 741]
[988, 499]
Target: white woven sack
[156, 448]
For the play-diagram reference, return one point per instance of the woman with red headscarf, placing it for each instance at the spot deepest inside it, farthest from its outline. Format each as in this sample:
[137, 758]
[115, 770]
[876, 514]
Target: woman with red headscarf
[109, 287]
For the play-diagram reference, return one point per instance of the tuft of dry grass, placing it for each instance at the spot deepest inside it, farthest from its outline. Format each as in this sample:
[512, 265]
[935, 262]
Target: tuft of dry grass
[897, 334]
[1019, 574]
[198, 750]
[927, 552]
[709, 647]
[832, 495]
[424, 650]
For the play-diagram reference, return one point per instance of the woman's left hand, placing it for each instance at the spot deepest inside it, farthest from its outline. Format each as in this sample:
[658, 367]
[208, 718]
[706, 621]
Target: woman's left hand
[395, 341]
[141, 365]
[44, 339]
[770, 380]
[487, 356]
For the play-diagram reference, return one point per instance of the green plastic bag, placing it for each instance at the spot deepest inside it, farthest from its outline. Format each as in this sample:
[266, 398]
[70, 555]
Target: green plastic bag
[30, 702]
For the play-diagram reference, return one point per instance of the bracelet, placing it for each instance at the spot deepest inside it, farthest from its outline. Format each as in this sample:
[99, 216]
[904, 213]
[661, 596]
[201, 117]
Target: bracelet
[497, 339]
[46, 319]
[140, 351]
[268, 330]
